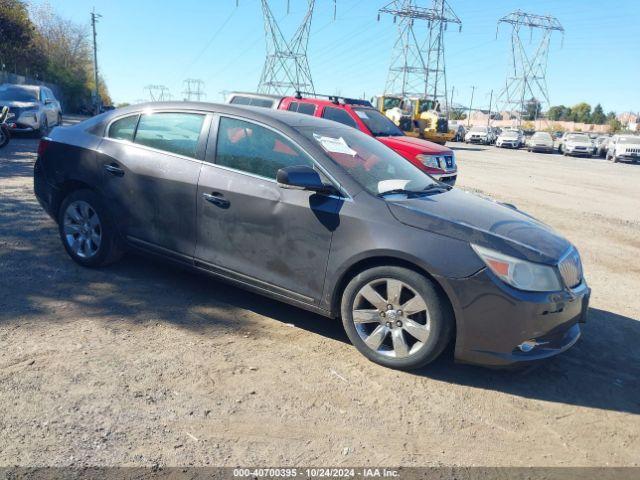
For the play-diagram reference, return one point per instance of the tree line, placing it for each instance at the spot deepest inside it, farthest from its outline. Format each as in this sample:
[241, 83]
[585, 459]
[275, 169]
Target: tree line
[43, 45]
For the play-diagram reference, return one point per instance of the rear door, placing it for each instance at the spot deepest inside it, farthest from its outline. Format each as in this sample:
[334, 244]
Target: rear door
[151, 163]
[253, 230]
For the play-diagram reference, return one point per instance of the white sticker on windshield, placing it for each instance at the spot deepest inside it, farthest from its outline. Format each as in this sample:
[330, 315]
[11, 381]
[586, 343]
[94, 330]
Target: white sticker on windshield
[392, 184]
[335, 145]
[361, 114]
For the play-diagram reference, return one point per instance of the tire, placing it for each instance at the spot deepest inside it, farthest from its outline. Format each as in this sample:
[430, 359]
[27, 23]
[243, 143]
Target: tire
[59, 124]
[5, 136]
[44, 128]
[84, 221]
[391, 343]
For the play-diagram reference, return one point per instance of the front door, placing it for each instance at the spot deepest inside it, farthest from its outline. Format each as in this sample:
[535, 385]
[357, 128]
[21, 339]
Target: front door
[254, 230]
[150, 168]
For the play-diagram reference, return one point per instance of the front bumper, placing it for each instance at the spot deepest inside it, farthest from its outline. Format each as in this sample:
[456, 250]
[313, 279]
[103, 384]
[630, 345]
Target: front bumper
[494, 320]
[628, 157]
[573, 151]
[476, 140]
[508, 144]
[541, 148]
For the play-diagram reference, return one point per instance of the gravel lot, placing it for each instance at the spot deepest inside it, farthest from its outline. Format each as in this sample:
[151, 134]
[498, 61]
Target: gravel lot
[142, 364]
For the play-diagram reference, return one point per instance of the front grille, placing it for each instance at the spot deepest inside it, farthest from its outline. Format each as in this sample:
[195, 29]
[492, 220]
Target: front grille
[632, 150]
[580, 148]
[571, 269]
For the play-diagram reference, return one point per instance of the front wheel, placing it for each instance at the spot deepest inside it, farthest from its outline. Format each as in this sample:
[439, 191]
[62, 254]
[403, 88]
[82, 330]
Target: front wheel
[86, 230]
[4, 135]
[396, 317]
[44, 128]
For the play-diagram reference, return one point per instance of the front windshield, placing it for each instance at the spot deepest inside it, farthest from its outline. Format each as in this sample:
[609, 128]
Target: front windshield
[509, 134]
[541, 136]
[18, 94]
[377, 168]
[479, 129]
[578, 137]
[629, 140]
[379, 125]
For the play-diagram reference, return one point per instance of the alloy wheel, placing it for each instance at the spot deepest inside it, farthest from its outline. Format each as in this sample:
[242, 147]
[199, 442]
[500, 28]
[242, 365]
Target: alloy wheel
[391, 318]
[82, 229]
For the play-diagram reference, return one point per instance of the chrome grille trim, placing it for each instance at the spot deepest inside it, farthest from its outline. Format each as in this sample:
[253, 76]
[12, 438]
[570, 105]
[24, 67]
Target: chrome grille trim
[571, 269]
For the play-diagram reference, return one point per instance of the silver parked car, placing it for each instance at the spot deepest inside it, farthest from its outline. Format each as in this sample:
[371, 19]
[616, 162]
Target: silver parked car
[576, 144]
[35, 108]
[540, 142]
[510, 139]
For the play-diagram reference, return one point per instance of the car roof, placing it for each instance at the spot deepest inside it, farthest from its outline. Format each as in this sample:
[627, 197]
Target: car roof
[265, 115]
[16, 85]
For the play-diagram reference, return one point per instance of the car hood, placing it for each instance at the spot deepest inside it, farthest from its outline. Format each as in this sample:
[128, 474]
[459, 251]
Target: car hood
[16, 104]
[470, 218]
[414, 145]
[573, 143]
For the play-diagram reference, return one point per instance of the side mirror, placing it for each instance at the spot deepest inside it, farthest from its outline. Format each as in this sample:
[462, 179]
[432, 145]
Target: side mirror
[301, 177]
[48, 101]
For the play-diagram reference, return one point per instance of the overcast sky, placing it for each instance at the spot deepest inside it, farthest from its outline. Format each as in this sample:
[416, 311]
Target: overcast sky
[145, 42]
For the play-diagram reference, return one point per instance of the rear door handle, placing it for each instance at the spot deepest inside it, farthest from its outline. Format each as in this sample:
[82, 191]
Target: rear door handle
[114, 170]
[217, 199]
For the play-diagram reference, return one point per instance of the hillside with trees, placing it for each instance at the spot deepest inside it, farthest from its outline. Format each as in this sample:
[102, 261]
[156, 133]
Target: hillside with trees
[41, 44]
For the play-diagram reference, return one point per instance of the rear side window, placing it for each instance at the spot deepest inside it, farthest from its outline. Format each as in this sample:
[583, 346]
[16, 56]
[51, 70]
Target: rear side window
[171, 132]
[300, 107]
[254, 149]
[238, 100]
[253, 101]
[339, 115]
[124, 128]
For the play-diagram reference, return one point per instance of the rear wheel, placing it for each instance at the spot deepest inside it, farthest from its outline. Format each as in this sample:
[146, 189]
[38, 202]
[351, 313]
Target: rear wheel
[86, 231]
[396, 317]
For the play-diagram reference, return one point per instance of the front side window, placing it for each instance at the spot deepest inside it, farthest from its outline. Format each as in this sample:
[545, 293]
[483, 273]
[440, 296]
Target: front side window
[254, 149]
[377, 168]
[171, 132]
[124, 129]
[339, 115]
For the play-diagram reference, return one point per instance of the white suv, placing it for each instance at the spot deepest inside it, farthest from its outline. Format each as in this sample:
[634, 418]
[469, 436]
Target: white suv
[624, 148]
[34, 107]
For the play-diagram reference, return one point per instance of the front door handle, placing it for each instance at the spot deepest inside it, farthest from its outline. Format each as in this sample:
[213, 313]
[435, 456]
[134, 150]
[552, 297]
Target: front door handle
[114, 170]
[217, 199]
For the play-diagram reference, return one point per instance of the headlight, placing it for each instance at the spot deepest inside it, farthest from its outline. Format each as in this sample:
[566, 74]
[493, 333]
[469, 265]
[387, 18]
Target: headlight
[520, 274]
[432, 161]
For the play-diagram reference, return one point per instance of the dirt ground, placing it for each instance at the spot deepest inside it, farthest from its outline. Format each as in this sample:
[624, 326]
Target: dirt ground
[142, 364]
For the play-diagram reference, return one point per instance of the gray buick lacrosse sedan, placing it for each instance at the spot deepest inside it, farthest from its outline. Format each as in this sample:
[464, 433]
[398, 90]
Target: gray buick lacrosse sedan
[321, 216]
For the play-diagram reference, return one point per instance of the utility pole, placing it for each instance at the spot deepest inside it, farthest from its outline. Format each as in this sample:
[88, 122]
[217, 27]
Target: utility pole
[473, 89]
[453, 89]
[96, 98]
[490, 105]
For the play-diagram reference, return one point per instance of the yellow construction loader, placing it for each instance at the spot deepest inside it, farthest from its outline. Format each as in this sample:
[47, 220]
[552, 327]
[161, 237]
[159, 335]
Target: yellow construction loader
[417, 117]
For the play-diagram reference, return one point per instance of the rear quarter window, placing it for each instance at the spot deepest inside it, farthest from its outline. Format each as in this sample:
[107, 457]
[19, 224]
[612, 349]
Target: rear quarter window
[124, 128]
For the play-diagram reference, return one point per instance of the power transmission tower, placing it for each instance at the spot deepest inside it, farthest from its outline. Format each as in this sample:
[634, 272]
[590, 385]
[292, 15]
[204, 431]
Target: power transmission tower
[193, 90]
[158, 93]
[286, 68]
[528, 76]
[96, 96]
[417, 65]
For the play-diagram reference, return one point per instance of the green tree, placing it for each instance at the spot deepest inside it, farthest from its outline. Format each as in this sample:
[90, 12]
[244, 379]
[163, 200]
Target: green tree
[598, 117]
[18, 51]
[581, 113]
[615, 125]
[559, 113]
[457, 114]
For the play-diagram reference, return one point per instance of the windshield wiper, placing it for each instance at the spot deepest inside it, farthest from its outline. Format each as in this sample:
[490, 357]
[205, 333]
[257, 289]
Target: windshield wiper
[437, 186]
[428, 189]
[399, 191]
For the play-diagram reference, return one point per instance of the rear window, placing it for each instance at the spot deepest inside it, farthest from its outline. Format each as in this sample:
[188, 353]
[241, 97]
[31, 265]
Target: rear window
[339, 115]
[252, 101]
[124, 128]
[171, 132]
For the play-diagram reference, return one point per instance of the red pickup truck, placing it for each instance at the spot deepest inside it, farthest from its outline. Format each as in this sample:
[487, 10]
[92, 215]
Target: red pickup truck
[436, 160]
